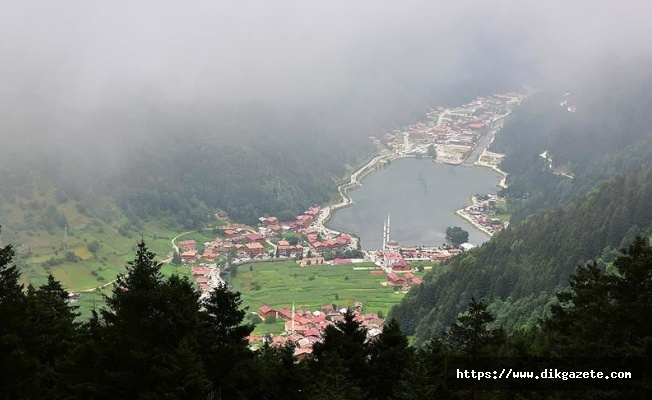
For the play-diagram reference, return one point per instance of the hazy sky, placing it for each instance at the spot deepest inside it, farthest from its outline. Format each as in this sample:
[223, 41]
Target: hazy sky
[69, 58]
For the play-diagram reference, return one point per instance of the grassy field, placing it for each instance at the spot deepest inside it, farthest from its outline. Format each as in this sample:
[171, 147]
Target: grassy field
[41, 247]
[279, 284]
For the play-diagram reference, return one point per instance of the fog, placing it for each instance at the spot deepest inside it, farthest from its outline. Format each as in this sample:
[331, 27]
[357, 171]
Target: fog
[67, 65]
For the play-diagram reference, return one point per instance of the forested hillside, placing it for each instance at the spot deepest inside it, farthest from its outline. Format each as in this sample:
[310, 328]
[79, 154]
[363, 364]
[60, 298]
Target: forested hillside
[523, 267]
[558, 221]
[593, 132]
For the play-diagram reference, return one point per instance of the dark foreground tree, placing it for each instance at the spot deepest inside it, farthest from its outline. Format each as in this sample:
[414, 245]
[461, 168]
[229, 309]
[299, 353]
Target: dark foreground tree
[49, 337]
[341, 356]
[470, 335]
[149, 346]
[389, 356]
[605, 314]
[12, 307]
[223, 339]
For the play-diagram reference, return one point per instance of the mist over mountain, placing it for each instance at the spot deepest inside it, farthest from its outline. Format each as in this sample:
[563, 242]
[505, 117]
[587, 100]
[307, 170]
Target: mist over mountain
[88, 74]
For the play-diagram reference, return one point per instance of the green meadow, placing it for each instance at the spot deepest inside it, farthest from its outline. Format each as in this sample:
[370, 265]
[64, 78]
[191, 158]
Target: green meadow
[279, 284]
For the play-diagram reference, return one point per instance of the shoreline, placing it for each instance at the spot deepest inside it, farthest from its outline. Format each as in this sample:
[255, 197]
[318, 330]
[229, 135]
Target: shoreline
[356, 182]
[355, 179]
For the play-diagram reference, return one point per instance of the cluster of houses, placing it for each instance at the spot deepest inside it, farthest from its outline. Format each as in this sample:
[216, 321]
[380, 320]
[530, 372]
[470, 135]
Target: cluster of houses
[403, 281]
[304, 225]
[271, 227]
[397, 257]
[238, 240]
[332, 241]
[397, 269]
[206, 276]
[428, 253]
[244, 243]
[304, 328]
[480, 213]
[453, 131]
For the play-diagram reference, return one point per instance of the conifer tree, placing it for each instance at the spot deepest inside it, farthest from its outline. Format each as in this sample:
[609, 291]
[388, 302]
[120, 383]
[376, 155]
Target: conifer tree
[470, 334]
[50, 335]
[389, 355]
[345, 341]
[605, 314]
[151, 334]
[12, 307]
[223, 340]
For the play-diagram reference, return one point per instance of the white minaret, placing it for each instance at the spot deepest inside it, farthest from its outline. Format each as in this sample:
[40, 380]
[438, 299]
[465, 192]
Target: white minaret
[384, 236]
[292, 317]
[388, 227]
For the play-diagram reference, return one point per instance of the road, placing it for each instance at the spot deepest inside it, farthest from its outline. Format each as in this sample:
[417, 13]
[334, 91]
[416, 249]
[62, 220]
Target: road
[483, 144]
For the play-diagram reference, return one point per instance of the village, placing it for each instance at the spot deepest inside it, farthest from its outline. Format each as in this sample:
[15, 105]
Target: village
[452, 133]
[480, 214]
[304, 328]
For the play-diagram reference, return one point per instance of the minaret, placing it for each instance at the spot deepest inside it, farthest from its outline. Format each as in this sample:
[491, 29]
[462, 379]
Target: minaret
[384, 236]
[388, 227]
[292, 317]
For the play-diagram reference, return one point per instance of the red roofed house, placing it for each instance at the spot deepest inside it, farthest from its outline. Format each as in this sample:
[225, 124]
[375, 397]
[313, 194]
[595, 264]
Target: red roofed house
[255, 249]
[272, 221]
[267, 311]
[416, 281]
[254, 238]
[201, 271]
[394, 279]
[285, 313]
[302, 354]
[201, 280]
[190, 256]
[401, 265]
[186, 245]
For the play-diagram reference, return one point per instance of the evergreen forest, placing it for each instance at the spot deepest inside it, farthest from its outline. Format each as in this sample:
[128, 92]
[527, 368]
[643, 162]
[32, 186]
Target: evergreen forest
[156, 338]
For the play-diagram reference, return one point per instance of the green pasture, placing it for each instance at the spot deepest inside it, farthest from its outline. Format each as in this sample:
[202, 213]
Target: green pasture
[279, 284]
[35, 246]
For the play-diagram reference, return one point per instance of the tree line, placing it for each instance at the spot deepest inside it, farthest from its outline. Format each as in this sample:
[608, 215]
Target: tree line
[156, 338]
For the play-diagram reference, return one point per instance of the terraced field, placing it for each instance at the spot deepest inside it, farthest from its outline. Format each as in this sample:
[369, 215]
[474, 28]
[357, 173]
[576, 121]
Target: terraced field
[279, 284]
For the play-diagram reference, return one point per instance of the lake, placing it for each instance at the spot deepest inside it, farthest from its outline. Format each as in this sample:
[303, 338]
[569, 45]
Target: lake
[421, 198]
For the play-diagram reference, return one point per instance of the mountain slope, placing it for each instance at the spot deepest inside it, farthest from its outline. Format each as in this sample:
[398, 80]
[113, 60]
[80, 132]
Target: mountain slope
[527, 263]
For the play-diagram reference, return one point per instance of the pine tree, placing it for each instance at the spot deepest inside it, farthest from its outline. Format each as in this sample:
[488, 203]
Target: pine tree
[12, 307]
[223, 340]
[151, 334]
[470, 334]
[605, 314]
[345, 341]
[427, 374]
[49, 334]
[389, 355]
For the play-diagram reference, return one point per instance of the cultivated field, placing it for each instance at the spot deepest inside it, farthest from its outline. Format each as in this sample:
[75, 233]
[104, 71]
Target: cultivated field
[279, 284]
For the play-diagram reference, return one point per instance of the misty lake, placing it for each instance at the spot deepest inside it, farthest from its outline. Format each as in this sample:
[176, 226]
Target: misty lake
[421, 198]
